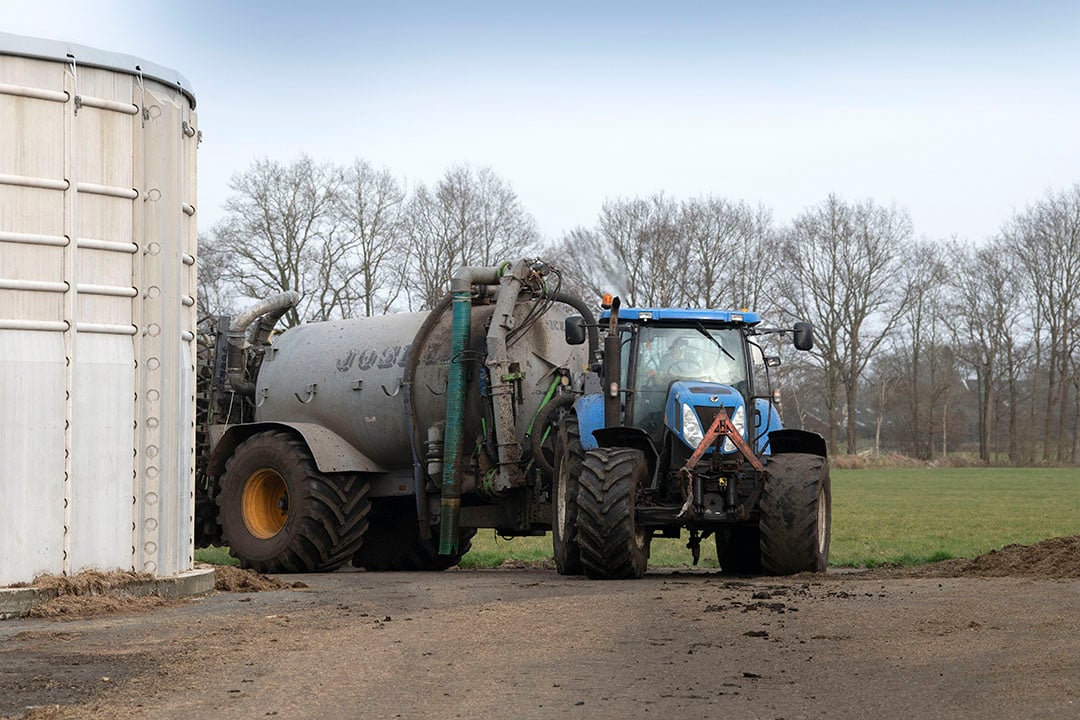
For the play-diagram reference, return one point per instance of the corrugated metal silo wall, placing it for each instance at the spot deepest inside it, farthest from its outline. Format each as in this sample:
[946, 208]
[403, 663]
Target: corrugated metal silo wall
[97, 320]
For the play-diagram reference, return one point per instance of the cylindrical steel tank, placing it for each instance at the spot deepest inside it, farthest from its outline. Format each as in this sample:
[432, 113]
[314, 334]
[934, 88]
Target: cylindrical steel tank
[346, 376]
[97, 311]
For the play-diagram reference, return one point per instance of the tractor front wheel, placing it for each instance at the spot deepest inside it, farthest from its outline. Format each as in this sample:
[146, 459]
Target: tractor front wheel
[611, 544]
[796, 514]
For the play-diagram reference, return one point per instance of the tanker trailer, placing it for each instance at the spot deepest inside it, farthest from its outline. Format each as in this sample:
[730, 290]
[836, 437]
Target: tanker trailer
[388, 441]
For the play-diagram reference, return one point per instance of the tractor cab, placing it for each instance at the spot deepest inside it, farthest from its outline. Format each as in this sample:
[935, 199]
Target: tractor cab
[677, 373]
[677, 368]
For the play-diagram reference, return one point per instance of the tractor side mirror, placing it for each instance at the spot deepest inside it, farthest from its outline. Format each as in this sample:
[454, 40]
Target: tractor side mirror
[575, 330]
[804, 336]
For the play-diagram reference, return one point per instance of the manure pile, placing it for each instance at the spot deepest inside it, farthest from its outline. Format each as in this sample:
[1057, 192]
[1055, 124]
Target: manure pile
[1053, 558]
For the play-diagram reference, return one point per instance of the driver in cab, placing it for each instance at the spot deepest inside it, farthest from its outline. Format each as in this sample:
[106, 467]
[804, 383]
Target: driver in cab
[676, 353]
[675, 361]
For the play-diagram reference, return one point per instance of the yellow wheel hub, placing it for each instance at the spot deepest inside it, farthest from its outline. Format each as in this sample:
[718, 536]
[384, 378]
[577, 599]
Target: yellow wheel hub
[265, 503]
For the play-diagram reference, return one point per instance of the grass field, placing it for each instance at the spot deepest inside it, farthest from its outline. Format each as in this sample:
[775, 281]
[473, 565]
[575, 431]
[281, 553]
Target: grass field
[912, 516]
[907, 516]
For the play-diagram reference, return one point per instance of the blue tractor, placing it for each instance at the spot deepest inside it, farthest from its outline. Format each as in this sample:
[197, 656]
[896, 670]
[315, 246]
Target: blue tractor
[673, 430]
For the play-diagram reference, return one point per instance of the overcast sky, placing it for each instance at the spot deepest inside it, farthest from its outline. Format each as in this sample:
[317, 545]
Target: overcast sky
[960, 112]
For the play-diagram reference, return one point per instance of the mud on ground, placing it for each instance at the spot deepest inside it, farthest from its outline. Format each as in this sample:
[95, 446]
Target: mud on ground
[998, 636]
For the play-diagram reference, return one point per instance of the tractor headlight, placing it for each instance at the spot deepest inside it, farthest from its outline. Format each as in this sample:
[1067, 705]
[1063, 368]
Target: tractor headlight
[739, 421]
[691, 427]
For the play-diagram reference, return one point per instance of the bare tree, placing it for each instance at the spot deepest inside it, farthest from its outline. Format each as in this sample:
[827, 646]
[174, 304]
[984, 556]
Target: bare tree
[372, 211]
[984, 325]
[281, 232]
[645, 243]
[588, 268]
[352, 242]
[730, 255]
[1047, 236]
[470, 217]
[883, 376]
[919, 344]
[636, 251]
[215, 295]
[841, 272]
[705, 252]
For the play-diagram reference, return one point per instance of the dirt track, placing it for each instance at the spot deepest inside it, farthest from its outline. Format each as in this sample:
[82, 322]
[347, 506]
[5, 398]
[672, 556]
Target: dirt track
[528, 643]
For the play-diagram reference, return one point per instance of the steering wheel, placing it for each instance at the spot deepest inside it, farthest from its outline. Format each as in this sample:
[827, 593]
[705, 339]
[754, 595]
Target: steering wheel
[686, 367]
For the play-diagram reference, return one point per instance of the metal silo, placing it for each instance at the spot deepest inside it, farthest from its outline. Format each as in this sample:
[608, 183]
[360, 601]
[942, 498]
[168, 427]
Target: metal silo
[97, 311]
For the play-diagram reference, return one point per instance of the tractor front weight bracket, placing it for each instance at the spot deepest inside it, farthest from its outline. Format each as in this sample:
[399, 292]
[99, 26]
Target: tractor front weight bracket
[721, 426]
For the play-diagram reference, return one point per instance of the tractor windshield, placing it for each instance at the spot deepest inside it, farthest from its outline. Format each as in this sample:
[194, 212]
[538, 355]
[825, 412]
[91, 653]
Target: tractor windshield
[666, 354]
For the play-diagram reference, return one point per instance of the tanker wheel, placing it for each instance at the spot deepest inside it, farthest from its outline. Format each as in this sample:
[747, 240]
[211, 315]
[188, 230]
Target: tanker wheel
[796, 514]
[393, 542]
[738, 549]
[564, 511]
[611, 544]
[279, 514]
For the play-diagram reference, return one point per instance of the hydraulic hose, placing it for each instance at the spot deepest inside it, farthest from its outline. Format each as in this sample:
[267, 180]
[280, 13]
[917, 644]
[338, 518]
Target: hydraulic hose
[461, 285]
[590, 319]
[540, 428]
[455, 415]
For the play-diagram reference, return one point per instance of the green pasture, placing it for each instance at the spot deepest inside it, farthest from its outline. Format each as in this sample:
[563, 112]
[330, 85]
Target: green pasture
[914, 516]
[907, 516]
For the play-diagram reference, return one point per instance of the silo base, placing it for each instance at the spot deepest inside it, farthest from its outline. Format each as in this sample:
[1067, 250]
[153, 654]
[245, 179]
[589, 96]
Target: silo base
[19, 601]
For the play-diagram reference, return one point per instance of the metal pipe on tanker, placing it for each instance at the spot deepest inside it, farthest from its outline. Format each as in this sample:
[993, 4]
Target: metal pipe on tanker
[412, 360]
[282, 301]
[274, 308]
[507, 447]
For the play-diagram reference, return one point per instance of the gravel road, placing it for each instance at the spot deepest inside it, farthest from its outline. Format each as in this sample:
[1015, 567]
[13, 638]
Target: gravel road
[527, 643]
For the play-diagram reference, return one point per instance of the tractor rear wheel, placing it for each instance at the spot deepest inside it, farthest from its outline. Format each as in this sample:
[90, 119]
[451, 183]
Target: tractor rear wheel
[564, 492]
[279, 514]
[393, 542]
[796, 514]
[611, 544]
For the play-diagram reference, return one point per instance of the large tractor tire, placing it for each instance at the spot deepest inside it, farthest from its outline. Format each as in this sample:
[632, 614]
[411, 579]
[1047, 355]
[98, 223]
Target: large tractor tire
[796, 514]
[393, 542]
[279, 514]
[611, 544]
[738, 549]
[564, 498]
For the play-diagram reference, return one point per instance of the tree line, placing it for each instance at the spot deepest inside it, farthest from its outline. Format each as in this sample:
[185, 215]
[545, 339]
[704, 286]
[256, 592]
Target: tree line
[924, 346]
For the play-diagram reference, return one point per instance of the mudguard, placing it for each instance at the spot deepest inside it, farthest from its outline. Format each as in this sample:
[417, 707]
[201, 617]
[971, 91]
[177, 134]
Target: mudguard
[590, 415]
[330, 452]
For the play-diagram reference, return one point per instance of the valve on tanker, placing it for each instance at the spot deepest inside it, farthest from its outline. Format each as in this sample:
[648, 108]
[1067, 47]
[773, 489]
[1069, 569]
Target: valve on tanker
[435, 449]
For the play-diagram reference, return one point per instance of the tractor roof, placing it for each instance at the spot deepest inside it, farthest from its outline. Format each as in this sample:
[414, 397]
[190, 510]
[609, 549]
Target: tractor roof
[682, 315]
